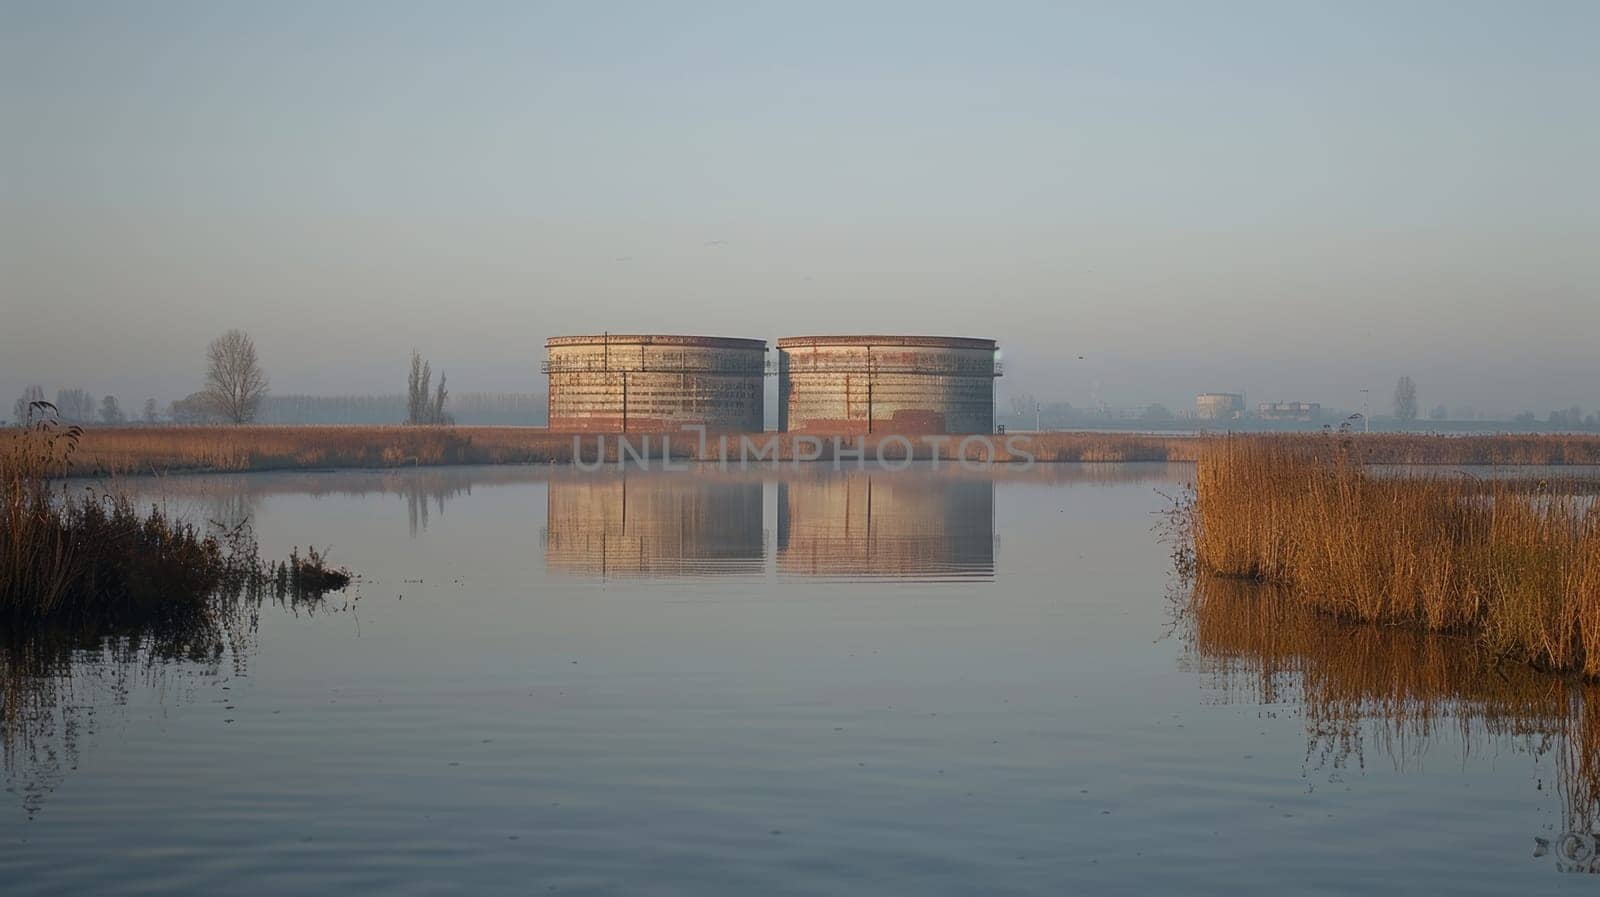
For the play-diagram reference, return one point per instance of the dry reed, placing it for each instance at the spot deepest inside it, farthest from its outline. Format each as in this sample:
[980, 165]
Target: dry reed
[1515, 565]
[94, 557]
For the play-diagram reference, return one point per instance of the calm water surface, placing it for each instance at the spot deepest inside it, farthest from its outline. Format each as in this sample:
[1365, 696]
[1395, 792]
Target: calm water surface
[776, 682]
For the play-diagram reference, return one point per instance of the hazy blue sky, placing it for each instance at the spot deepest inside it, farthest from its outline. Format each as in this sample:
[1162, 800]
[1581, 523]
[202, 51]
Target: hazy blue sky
[1295, 199]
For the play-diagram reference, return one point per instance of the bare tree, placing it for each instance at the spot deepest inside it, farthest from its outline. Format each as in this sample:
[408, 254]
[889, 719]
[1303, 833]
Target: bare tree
[420, 409]
[75, 405]
[417, 389]
[23, 409]
[110, 411]
[436, 413]
[151, 412]
[235, 383]
[1405, 399]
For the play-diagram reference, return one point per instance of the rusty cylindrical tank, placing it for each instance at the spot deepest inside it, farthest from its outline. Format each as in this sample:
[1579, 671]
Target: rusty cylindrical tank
[614, 383]
[886, 384]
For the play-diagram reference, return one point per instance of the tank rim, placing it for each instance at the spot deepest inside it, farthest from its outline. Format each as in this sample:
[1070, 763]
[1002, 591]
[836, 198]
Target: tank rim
[656, 339]
[880, 339]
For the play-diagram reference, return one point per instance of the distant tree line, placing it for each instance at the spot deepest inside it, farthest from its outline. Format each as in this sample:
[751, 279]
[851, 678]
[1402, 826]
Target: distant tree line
[471, 408]
[511, 409]
[71, 405]
[352, 409]
[1568, 418]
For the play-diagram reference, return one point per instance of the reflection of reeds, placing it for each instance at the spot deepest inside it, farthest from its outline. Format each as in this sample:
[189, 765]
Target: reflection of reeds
[58, 677]
[54, 677]
[1515, 567]
[1404, 682]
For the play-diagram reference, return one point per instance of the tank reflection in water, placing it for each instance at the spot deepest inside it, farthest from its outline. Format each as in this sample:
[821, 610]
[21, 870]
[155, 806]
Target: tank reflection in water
[1364, 689]
[854, 525]
[880, 524]
[654, 524]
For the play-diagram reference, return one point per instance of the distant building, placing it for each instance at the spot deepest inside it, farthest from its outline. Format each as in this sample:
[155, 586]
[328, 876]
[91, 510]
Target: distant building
[1219, 406]
[1301, 411]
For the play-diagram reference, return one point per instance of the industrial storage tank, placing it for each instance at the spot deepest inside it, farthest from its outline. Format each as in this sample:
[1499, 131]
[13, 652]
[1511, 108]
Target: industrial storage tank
[616, 383]
[886, 384]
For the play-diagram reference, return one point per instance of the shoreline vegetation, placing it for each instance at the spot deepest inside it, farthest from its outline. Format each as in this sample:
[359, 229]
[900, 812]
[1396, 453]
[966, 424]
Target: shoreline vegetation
[133, 451]
[1511, 563]
[89, 557]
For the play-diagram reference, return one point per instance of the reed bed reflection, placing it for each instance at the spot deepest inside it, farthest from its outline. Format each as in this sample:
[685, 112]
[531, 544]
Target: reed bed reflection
[59, 682]
[1361, 685]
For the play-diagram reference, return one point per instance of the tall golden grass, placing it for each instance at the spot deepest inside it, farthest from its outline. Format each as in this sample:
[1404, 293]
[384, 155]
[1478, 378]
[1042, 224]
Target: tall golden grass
[36, 553]
[93, 557]
[1515, 564]
[146, 450]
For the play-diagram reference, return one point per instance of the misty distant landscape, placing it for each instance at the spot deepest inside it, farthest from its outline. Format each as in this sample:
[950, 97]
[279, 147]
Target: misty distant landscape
[1022, 411]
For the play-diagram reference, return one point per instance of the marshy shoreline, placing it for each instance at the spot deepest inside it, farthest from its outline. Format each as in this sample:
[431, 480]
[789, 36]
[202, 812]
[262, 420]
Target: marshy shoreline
[1511, 563]
[138, 451]
[95, 558]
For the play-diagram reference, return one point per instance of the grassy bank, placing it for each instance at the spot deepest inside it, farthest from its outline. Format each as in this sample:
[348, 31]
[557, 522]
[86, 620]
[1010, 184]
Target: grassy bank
[147, 450]
[1515, 565]
[88, 556]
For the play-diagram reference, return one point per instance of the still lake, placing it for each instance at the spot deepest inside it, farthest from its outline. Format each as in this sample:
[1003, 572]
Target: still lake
[777, 681]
